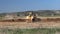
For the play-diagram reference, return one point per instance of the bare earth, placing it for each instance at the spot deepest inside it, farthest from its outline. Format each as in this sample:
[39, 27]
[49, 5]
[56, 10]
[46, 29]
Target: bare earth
[23, 25]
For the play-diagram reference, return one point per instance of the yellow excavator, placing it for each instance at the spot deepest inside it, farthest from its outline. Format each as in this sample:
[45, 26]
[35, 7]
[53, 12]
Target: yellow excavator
[32, 17]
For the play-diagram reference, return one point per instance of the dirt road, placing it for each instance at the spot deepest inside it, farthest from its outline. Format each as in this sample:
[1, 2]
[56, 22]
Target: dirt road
[23, 25]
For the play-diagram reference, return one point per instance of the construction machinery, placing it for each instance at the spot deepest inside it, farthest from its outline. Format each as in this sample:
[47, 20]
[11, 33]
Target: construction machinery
[33, 17]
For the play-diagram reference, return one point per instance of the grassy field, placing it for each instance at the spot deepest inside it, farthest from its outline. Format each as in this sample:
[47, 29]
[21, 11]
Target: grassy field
[35, 30]
[30, 31]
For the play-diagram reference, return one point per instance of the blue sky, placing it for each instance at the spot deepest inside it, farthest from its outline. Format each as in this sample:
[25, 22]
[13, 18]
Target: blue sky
[24, 5]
